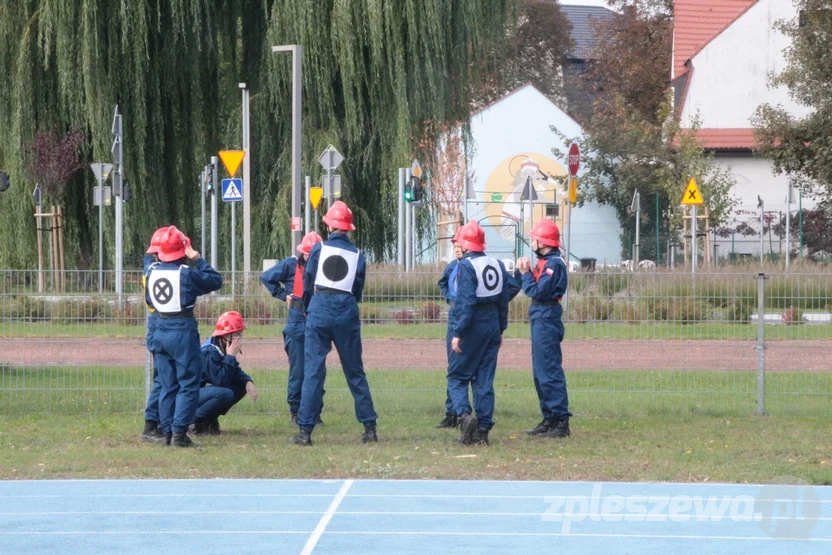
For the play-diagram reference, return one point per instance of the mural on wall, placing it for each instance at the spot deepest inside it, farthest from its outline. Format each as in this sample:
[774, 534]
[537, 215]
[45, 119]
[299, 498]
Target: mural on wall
[504, 189]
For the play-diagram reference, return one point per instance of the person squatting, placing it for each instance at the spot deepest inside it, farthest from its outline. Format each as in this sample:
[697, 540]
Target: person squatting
[322, 286]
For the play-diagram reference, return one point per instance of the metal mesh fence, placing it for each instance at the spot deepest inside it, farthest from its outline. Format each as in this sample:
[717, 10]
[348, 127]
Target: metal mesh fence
[636, 343]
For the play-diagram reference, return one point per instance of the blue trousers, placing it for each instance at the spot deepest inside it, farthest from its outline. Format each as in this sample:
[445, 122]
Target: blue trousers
[333, 319]
[294, 345]
[216, 401]
[151, 411]
[476, 366]
[179, 368]
[547, 362]
[449, 404]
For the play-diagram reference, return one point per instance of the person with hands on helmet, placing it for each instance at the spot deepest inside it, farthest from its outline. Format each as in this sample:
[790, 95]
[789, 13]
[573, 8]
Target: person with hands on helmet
[223, 382]
[447, 286]
[151, 432]
[545, 285]
[172, 289]
[285, 282]
[477, 320]
[334, 279]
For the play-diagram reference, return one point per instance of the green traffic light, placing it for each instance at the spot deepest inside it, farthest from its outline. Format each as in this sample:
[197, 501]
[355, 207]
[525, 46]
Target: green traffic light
[408, 194]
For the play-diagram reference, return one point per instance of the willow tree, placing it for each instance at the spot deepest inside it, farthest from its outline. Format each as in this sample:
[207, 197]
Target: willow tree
[375, 73]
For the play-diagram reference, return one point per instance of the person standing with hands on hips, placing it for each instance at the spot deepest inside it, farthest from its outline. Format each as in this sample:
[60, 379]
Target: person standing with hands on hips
[284, 282]
[173, 287]
[334, 279]
[545, 285]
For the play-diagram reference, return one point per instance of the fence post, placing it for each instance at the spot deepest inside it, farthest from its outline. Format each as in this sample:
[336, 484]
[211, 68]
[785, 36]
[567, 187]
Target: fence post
[761, 342]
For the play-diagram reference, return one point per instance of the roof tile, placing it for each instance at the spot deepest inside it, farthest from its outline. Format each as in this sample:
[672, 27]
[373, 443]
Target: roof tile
[725, 139]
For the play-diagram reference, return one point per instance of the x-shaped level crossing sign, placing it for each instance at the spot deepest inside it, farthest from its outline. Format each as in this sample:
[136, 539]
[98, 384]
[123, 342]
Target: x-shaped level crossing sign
[692, 195]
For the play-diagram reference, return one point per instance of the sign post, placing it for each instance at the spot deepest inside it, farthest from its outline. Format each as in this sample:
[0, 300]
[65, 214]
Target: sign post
[232, 191]
[330, 159]
[693, 198]
[117, 151]
[574, 164]
[102, 172]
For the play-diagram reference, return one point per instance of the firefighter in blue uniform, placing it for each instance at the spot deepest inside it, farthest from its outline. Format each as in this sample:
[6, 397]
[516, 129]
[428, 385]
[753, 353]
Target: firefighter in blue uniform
[172, 289]
[447, 286]
[284, 282]
[224, 383]
[545, 285]
[151, 433]
[477, 320]
[333, 282]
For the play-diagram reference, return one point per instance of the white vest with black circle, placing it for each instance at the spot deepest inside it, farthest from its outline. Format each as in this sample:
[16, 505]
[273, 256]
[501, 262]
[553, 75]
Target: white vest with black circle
[489, 276]
[336, 268]
[163, 288]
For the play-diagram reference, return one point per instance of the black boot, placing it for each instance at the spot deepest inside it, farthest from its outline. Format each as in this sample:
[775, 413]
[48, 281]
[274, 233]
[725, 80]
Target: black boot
[181, 439]
[199, 428]
[319, 422]
[468, 427]
[450, 421]
[152, 434]
[303, 438]
[369, 434]
[560, 429]
[482, 436]
[213, 427]
[542, 428]
[294, 419]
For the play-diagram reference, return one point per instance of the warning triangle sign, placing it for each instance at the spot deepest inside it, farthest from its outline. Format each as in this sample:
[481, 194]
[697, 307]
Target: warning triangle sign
[232, 159]
[692, 195]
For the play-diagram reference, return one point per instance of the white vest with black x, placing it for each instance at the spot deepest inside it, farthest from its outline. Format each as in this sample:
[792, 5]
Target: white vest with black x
[489, 276]
[336, 268]
[163, 287]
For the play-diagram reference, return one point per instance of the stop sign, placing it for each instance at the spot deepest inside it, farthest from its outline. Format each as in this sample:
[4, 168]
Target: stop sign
[574, 159]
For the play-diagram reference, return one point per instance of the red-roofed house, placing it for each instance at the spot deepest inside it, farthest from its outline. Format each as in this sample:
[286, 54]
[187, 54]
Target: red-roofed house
[724, 52]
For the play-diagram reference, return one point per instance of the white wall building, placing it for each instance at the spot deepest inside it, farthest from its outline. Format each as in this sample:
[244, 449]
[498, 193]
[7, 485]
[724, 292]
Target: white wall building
[724, 52]
[514, 134]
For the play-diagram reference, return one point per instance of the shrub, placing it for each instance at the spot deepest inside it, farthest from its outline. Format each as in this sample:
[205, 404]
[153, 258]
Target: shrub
[590, 309]
[404, 316]
[682, 310]
[793, 316]
[518, 309]
[371, 314]
[739, 311]
[430, 312]
[627, 312]
[32, 309]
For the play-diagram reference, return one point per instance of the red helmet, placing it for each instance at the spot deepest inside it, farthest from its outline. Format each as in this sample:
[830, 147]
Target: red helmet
[339, 216]
[546, 232]
[308, 242]
[472, 237]
[172, 245]
[456, 235]
[229, 322]
[154, 241]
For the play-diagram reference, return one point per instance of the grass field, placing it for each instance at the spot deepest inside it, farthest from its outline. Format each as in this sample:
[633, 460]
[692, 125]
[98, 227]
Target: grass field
[594, 330]
[629, 425]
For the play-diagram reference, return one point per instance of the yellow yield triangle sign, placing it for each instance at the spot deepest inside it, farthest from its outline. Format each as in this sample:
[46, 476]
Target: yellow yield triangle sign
[315, 194]
[692, 195]
[232, 159]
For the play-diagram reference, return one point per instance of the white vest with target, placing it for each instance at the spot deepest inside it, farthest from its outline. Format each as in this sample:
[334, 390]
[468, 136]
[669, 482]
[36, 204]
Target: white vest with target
[336, 268]
[489, 276]
[163, 287]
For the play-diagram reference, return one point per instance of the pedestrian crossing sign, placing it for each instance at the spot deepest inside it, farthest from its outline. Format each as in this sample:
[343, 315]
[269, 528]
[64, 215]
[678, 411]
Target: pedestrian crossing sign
[232, 190]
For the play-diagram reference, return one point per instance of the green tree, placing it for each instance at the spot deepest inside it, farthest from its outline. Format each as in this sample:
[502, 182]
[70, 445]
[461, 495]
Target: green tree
[802, 146]
[633, 138]
[375, 71]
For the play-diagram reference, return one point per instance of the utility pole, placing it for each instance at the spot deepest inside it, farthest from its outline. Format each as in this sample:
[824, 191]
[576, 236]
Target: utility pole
[214, 177]
[247, 188]
[117, 152]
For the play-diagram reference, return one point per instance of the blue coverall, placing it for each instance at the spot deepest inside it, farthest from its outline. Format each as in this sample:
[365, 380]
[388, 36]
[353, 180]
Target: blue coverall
[151, 411]
[333, 317]
[176, 344]
[280, 282]
[545, 286]
[447, 286]
[223, 382]
[479, 323]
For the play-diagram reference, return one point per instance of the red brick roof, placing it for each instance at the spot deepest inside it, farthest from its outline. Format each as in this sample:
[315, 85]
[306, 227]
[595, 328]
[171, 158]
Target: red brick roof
[698, 22]
[725, 139]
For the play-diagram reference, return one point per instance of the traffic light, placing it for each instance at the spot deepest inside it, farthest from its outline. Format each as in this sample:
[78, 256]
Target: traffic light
[209, 180]
[408, 193]
[126, 192]
[416, 189]
[4, 182]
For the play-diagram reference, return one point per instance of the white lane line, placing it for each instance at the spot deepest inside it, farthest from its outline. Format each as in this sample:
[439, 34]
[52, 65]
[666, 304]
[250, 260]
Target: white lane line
[472, 534]
[322, 524]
